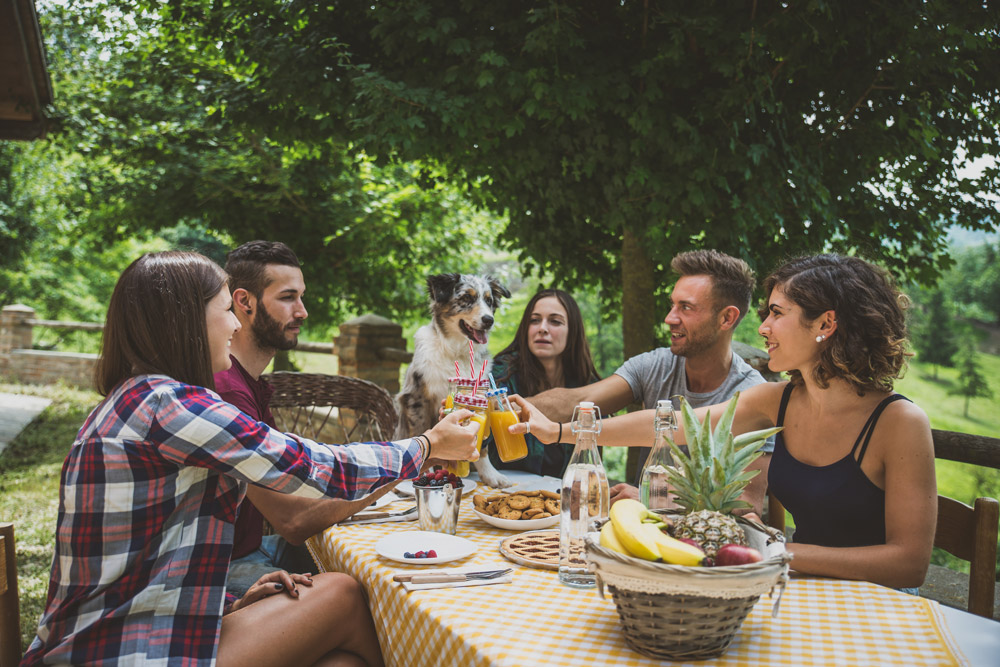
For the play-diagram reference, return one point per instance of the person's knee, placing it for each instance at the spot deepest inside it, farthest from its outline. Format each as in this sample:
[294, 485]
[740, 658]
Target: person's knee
[339, 591]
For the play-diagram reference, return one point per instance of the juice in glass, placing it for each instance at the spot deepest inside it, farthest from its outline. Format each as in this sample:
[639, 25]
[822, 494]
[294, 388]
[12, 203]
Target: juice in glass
[510, 447]
[478, 406]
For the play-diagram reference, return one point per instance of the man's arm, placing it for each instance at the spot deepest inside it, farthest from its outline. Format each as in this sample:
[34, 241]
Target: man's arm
[610, 394]
[297, 519]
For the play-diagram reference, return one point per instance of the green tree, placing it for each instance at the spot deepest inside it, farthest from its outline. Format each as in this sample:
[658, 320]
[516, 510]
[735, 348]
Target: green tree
[971, 383]
[616, 134]
[934, 331]
[157, 150]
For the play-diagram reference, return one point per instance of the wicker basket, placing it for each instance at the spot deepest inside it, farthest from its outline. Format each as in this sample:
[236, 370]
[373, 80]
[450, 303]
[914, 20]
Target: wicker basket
[688, 613]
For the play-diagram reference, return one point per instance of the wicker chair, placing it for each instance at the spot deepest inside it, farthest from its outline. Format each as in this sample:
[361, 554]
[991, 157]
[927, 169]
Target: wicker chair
[10, 620]
[331, 408]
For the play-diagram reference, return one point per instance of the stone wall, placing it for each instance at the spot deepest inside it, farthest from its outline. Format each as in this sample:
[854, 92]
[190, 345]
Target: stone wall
[19, 362]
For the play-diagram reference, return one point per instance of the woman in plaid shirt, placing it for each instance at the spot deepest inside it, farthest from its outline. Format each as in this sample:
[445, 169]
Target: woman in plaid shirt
[151, 487]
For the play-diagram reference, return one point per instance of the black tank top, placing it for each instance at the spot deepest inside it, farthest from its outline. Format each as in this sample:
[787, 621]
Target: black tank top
[834, 505]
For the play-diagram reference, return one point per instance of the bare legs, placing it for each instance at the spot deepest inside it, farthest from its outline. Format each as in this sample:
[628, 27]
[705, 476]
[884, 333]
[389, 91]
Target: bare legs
[328, 624]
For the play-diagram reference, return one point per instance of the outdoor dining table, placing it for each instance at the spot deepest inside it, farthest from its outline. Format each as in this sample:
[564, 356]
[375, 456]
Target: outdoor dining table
[535, 620]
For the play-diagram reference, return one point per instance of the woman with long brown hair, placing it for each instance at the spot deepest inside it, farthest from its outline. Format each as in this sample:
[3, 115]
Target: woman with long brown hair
[549, 350]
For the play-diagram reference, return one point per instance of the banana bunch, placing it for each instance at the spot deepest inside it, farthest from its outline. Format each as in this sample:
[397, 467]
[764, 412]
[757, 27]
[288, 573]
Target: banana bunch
[635, 531]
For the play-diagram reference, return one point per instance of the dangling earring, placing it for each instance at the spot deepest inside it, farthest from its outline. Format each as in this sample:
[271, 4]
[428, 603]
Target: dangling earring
[821, 338]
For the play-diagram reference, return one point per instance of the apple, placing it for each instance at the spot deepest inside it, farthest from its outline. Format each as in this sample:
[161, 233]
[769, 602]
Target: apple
[736, 554]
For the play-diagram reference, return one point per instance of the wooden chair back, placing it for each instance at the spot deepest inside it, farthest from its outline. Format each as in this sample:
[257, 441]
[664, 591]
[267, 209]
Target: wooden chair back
[331, 408]
[970, 533]
[10, 611]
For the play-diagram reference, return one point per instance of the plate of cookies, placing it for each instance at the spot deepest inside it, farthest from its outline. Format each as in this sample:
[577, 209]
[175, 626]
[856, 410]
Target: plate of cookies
[522, 510]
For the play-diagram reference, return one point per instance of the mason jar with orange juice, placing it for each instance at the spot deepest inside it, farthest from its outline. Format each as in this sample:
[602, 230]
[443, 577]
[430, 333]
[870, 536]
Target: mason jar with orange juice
[479, 406]
[510, 447]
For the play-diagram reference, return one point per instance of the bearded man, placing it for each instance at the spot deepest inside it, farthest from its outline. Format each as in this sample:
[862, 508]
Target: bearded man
[709, 299]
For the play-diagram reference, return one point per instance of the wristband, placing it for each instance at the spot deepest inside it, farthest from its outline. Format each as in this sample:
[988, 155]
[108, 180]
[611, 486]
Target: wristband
[425, 449]
[559, 437]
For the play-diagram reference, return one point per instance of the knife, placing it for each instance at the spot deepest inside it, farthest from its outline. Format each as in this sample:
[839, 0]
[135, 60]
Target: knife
[367, 515]
[446, 577]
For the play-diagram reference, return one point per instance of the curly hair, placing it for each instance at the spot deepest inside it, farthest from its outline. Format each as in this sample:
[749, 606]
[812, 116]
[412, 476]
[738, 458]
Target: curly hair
[869, 348]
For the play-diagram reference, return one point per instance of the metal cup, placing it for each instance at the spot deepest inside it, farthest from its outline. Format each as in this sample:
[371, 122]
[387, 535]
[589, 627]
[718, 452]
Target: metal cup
[437, 507]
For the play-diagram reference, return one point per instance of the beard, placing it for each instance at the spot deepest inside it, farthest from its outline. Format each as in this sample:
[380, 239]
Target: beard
[696, 341]
[269, 333]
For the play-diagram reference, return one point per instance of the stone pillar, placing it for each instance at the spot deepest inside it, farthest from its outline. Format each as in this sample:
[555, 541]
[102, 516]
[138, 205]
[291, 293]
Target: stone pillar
[15, 332]
[371, 347]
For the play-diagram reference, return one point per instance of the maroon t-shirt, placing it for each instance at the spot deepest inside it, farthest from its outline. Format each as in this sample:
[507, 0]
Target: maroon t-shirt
[252, 397]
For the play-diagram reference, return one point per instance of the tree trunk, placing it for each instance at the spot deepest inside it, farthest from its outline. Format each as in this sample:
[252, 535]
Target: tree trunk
[638, 312]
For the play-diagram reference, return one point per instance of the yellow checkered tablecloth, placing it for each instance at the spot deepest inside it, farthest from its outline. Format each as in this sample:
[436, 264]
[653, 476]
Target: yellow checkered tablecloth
[535, 620]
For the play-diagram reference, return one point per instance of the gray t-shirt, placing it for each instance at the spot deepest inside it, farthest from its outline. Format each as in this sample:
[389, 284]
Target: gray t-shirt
[660, 374]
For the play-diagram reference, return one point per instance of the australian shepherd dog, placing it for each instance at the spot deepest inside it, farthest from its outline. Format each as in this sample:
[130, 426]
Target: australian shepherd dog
[462, 308]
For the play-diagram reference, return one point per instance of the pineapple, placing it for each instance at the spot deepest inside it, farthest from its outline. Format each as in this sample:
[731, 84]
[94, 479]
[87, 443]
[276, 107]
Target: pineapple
[709, 479]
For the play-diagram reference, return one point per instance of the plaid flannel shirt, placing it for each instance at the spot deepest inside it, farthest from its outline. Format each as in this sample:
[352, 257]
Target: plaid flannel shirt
[148, 498]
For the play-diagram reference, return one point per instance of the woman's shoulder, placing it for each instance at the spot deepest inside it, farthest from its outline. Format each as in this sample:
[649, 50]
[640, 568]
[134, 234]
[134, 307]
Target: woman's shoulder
[903, 415]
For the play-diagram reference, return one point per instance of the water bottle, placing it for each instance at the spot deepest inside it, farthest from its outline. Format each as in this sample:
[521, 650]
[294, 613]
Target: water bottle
[654, 492]
[585, 497]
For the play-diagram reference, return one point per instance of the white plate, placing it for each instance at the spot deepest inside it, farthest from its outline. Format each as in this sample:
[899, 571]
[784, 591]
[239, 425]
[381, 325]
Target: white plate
[406, 487]
[520, 524]
[448, 547]
[526, 481]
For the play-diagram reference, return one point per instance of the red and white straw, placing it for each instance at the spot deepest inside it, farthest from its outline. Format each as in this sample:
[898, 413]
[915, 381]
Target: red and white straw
[472, 362]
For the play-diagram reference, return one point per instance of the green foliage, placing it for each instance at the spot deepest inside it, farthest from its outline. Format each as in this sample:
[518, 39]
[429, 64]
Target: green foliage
[150, 123]
[974, 281]
[933, 330]
[971, 382]
[797, 127]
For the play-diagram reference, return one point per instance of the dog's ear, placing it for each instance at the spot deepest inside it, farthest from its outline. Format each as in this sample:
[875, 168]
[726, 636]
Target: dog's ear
[442, 286]
[498, 289]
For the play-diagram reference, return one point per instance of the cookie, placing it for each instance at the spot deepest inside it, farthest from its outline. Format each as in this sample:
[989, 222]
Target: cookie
[519, 502]
[552, 495]
[479, 501]
[531, 513]
[537, 503]
[551, 506]
[509, 514]
[542, 515]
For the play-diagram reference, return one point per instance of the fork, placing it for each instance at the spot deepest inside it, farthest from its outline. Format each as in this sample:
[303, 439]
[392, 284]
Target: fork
[446, 577]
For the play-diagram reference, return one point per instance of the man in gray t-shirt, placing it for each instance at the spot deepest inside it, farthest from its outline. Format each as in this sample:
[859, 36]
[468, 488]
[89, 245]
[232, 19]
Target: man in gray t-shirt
[660, 374]
[708, 301]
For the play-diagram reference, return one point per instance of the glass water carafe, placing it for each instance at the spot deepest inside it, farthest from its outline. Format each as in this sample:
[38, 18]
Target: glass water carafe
[654, 491]
[585, 497]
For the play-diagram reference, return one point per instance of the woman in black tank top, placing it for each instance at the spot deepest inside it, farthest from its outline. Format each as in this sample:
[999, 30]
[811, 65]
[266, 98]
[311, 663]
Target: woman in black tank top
[854, 464]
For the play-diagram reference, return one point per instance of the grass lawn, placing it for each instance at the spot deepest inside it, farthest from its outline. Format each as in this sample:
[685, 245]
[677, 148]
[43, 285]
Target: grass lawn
[29, 489]
[30, 467]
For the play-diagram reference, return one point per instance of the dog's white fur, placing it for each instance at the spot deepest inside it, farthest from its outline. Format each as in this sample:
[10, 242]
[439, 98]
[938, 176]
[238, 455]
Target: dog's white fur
[462, 308]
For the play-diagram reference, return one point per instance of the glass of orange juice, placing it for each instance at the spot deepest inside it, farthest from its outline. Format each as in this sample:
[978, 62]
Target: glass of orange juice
[510, 447]
[478, 405]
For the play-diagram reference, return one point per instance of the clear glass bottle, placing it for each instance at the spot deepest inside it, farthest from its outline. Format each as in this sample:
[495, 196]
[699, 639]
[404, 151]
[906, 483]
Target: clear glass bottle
[585, 497]
[654, 492]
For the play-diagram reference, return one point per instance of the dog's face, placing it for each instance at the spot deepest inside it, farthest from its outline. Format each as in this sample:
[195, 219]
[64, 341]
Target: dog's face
[463, 304]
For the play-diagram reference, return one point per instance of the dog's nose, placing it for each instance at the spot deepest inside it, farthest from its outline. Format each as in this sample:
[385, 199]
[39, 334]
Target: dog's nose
[487, 321]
